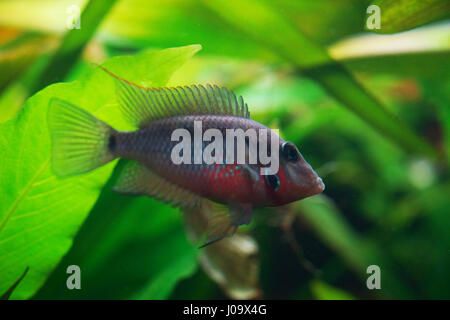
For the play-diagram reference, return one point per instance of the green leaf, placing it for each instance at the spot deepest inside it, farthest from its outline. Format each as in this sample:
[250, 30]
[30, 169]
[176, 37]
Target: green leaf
[18, 54]
[49, 68]
[323, 291]
[40, 213]
[8, 292]
[401, 15]
[427, 52]
[73, 44]
[11, 101]
[140, 251]
[324, 21]
[265, 25]
[353, 248]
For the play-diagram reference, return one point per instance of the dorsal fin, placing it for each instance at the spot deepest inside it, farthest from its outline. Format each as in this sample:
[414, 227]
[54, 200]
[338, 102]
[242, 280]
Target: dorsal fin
[138, 180]
[143, 105]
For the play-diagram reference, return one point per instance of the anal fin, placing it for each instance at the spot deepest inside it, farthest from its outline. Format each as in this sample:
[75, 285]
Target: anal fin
[224, 221]
[137, 179]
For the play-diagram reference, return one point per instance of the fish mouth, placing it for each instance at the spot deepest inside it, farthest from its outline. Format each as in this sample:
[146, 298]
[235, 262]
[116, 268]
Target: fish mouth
[318, 186]
[305, 177]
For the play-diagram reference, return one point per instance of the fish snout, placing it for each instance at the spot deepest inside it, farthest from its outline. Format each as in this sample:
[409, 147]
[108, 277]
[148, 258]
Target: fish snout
[315, 183]
[318, 186]
[303, 175]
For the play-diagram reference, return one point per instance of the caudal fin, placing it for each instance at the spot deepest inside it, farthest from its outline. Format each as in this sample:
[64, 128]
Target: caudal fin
[79, 140]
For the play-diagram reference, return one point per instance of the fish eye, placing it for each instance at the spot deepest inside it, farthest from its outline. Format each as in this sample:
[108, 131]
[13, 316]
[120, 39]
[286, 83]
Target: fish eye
[273, 181]
[290, 151]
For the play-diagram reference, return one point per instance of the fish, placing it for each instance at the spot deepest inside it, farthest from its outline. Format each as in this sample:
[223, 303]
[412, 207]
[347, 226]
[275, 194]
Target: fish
[81, 143]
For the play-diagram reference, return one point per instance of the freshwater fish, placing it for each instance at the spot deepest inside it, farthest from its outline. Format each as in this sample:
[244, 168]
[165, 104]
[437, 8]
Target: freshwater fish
[81, 143]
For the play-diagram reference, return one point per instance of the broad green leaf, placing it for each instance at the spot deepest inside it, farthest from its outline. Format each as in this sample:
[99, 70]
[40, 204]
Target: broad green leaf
[40, 213]
[401, 15]
[11, 101]
[323, 291]
[140, 252]
[8, 292]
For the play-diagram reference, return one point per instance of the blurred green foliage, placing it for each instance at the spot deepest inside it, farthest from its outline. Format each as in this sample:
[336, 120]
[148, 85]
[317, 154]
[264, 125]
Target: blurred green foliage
[369, 112]
[402, 15]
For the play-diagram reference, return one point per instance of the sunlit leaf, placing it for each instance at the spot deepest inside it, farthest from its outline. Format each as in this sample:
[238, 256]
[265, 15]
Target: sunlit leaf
[72, 44]
[323, 291]
[265, 26]
[8, 292]
[11, 101]
[40, 213]
[419, 52]
[401, 15]
[141, 251]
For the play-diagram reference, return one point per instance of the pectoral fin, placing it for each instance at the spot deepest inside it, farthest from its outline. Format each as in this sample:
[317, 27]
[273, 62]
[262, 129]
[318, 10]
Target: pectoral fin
[240, 213]
[251, 172]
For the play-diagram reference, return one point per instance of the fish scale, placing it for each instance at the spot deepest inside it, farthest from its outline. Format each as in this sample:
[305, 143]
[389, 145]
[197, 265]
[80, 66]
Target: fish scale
[152, 146]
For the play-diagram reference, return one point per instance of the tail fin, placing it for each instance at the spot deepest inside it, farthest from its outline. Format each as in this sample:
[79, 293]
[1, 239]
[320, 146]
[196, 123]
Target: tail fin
[80, 142]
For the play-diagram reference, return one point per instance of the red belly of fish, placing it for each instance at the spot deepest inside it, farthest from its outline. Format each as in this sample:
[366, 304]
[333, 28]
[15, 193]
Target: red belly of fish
[229, 184]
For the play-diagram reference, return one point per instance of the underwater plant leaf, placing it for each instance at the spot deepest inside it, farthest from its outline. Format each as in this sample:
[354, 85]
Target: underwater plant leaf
[427, 64]
[401, 15]
[358, 253]
[140, 252]
[426, 53]
[270, 29]
[40, 213]
[73, 43]
[12, 100]
[8, 292]
[19, 53]
[324, 20]
[323, 291]
[50, 66]
[265, 26]
[136, 24]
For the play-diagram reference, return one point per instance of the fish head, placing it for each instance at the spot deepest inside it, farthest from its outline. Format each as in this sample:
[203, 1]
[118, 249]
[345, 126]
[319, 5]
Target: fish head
[295, 179]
